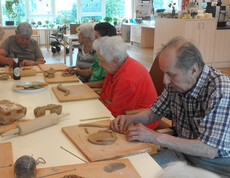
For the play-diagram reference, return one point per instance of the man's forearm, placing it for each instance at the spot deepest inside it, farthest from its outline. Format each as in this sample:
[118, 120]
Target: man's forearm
[6, 60]
[39, 61]
[192, 147]
[145, 117]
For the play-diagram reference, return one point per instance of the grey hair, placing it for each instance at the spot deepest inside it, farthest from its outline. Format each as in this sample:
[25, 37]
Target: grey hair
[111, 48]
[187, 54]
[24, 29]
[88, 30]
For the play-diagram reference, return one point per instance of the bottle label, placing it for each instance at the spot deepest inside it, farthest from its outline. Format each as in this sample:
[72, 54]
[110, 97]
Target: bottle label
[17, 71]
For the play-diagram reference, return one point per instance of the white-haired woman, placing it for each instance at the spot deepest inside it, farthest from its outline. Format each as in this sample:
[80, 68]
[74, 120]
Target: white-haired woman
[127, 85]
[86, 53]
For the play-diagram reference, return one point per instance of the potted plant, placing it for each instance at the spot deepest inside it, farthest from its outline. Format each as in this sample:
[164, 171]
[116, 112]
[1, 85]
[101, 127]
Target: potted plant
[10, 12]
[115, 19]
[108, 19]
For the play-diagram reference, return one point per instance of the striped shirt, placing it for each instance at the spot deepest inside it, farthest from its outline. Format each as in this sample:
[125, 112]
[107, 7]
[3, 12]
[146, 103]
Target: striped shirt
[203, 113]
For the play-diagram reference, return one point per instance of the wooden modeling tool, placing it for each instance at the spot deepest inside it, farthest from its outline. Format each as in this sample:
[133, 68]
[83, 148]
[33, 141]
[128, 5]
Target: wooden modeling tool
[35, 124]
[95, 118]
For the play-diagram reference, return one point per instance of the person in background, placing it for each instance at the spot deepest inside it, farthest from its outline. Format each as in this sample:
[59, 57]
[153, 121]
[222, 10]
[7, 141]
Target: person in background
[96, 72]
[197, 99]
[86, 53]
[27, 49]
[127, 85]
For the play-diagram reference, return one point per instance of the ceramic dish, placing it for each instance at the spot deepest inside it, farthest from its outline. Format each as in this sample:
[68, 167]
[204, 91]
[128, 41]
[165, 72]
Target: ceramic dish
[29, 89]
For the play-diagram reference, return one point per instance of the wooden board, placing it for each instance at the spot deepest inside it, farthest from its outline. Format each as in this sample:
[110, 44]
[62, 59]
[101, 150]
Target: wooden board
[6, 158]
[77, 92]
[95, 170]
[8, 127]
[92, 152]
[57, 66]
[25, 71]
[58, 78]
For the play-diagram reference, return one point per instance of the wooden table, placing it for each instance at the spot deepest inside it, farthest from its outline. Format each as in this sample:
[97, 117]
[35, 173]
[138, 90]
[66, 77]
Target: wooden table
[46, 143]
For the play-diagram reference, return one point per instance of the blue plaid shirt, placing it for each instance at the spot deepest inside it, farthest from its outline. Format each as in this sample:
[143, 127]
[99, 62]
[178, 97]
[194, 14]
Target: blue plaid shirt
[203, 113]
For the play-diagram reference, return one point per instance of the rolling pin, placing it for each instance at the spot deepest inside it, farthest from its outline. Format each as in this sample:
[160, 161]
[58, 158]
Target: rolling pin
[35, 124]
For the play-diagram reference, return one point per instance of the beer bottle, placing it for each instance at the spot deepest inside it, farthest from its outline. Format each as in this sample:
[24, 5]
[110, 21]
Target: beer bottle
[16, 68]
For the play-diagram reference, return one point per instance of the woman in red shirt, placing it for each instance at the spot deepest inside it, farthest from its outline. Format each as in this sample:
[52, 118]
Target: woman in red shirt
[127, 85]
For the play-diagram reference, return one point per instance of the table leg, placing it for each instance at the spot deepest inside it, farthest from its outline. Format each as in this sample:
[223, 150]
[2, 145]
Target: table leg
[65, 39]
[70, 52]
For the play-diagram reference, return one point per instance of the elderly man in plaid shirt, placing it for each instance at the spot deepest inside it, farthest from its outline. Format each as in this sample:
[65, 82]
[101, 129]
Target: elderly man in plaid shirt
[197, 99]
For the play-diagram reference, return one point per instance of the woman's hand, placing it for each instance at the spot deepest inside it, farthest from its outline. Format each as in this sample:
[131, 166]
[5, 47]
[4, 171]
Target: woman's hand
[69, 70]
[120, 124]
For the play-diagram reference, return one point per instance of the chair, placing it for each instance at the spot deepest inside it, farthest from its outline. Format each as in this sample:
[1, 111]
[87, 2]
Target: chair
[73, 30]
[157, 76]
[35, 34]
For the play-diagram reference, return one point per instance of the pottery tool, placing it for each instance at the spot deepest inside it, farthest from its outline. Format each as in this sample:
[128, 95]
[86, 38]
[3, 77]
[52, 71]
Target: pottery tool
[35, 124]
[94, 125]
[32, 85]
[73, 154]
[6, 166]
[114, 167]
[95, 118]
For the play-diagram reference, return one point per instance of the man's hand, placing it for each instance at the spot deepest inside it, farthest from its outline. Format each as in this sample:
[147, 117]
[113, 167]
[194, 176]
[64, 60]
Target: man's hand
[26, 62]
[10, 62]
[69, 70]
[140, 133]
[120, 124]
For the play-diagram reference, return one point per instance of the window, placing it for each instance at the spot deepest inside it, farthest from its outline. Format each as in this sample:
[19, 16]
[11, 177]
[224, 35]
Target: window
[15, 11]
[159, 4]
[69, 11]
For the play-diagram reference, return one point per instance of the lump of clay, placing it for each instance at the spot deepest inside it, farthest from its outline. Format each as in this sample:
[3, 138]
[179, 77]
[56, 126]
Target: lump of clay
[66, 74]
[103, 137]
[63, 89]
[49, 73]
[53, 108]
[4, 77]
[10, 111]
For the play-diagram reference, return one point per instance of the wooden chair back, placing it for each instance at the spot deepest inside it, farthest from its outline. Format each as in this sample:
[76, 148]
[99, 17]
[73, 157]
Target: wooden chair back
[157, 76]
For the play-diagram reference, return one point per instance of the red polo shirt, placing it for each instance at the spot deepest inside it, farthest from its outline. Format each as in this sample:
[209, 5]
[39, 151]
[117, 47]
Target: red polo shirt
[130, 88]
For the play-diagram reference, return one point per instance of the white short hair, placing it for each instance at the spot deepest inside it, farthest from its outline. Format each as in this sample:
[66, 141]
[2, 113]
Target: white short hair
[88, 30]
[180, 169]
[24, 29]
[111, 48]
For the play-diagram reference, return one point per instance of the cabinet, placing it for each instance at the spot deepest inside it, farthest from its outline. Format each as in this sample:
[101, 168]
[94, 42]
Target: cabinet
[139, 33]
[135, 34]
[221, 56]
[200, 32]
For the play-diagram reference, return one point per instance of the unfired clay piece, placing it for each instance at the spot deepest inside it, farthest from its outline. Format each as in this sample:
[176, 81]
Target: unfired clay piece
[66, 74]
[4, 77]
[50, 73]
[10, 111]
[103, 137]
[41, 111]
[63, 89]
